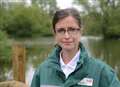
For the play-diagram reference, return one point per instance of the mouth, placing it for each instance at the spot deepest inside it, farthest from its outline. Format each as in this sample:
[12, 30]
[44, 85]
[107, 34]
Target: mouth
[67, 43]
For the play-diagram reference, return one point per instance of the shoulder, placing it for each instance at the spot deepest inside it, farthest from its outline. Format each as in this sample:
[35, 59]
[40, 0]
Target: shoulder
[107, 75]
[50, 60]
[44, 64]
[99, 66]
[96, 63]
[99, 63]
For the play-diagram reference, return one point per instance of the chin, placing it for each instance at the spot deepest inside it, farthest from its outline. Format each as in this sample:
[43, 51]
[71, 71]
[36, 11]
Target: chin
[68, 48]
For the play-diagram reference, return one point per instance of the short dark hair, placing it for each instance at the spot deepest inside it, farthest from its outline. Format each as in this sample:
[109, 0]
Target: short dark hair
[60, 14]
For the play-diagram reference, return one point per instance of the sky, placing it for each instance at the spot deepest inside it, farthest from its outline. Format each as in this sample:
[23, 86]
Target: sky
[60, 3]
[64, 3]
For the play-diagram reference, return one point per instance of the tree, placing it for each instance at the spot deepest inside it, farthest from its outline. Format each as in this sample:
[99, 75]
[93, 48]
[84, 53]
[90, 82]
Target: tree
[47, 5]
[108, 16]
[26, 22]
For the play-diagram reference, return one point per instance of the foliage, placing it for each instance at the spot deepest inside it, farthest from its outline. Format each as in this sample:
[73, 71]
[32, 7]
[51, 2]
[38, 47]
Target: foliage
[26, 22]
[110, 22]
[4, 51]
[5, 54]
[102, 17]
[47, 5]
[92, 23]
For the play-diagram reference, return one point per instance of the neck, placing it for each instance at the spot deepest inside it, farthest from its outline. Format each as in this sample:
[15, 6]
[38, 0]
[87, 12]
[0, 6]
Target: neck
[67, 55]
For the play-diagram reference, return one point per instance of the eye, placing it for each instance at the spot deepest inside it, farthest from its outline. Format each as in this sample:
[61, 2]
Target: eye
[60, 30]
[72, 29]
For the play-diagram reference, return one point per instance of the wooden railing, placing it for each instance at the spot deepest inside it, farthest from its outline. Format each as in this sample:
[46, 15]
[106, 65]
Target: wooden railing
[18, 62]
[12, 84]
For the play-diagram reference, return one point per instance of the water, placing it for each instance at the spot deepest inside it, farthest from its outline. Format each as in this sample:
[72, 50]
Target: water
[37, 51]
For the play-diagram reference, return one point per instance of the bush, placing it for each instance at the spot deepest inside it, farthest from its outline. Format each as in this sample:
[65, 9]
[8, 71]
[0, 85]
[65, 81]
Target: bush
[26, 22]
[5, 55]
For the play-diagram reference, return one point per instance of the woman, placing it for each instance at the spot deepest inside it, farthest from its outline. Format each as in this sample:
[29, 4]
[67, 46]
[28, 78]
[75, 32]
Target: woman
[69, 64]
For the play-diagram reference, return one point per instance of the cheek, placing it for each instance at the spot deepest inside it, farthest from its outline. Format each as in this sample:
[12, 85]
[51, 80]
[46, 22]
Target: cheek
[57, 39]
[77, 38]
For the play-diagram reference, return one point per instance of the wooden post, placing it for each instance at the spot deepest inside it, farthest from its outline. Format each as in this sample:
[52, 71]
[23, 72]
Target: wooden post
[19, 62]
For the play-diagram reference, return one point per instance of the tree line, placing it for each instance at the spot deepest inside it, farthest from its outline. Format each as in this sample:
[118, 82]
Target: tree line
[25, 22]
[100, 17]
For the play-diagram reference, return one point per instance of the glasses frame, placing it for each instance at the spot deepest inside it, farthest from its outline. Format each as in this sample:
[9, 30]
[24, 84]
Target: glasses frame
[69, 30]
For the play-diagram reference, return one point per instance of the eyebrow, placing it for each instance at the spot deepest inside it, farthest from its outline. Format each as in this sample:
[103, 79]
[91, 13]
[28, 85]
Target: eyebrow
[67, 27]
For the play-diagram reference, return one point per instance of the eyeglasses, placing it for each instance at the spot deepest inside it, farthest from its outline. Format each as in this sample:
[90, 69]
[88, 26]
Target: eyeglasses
[69, 30]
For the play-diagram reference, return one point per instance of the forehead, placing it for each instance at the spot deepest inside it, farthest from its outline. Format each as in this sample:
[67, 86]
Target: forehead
[67, 22]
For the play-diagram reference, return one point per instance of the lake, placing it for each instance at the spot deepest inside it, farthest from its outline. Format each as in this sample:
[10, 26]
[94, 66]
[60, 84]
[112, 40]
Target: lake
[39, 49]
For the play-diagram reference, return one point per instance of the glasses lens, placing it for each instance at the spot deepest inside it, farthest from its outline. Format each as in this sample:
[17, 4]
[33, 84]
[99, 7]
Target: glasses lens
[60, 30]
[69, 30]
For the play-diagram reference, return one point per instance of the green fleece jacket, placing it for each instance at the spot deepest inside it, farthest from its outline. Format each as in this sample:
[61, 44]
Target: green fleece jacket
[89, 72]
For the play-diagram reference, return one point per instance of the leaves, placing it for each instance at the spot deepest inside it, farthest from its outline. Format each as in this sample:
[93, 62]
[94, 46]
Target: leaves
[103, 17]
[26, 22]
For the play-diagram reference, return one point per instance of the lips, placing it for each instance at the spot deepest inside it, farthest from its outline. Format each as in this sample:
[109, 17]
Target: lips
[67, 43]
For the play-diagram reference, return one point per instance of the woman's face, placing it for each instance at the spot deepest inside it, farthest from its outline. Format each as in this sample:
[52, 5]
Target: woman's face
[67, 33]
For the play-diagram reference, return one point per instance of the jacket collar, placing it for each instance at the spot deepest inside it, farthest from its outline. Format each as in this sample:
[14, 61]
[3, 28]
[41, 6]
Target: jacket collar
[54, 58]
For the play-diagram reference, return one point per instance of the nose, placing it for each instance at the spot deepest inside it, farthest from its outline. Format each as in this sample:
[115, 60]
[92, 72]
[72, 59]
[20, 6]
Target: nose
[67, 34]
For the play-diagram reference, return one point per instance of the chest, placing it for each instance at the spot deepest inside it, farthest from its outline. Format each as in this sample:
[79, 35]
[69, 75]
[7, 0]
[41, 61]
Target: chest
[78, 78]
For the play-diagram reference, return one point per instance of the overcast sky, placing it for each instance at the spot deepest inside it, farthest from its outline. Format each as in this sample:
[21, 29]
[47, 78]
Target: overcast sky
[64, 3]
[67, 3]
